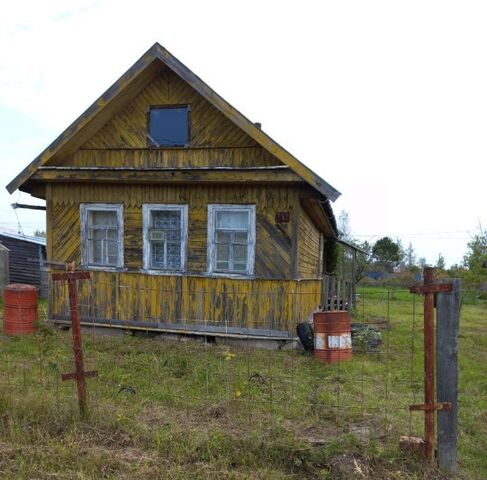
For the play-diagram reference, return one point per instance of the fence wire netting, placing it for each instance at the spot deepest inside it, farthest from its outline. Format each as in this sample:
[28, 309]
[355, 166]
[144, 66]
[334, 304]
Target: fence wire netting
[240, 381]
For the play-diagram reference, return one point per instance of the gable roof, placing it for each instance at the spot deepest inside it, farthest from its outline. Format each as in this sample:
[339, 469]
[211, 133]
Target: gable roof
[129, 84]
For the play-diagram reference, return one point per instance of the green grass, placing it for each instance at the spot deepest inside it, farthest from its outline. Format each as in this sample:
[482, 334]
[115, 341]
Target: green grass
[198, 410]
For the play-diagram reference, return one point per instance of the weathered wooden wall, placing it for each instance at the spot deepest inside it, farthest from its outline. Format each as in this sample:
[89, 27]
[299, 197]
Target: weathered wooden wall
[263, 307]
[285, 252]
[208, 126]
[309, 248]
[273, 255]
[173, 157]
[214, 139]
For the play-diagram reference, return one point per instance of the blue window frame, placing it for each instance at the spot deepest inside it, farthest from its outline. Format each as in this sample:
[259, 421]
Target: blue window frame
[169, 126]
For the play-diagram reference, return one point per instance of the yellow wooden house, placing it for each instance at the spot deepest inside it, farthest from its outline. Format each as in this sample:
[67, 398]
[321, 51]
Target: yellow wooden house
[189, 217]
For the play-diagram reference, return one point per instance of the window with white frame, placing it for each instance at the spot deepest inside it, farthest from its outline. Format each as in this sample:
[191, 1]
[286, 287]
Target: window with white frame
[102, 234]
[231, 239]
[165, 235]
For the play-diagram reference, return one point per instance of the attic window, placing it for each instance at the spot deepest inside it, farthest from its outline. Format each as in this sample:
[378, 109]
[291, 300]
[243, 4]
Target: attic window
[168, 126]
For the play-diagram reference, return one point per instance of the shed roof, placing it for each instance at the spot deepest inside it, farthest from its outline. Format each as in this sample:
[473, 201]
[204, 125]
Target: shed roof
[132, 82]
[25, 238]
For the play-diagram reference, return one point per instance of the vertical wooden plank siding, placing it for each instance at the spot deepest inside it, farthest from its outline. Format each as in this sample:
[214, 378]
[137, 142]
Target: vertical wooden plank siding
[273, 246]
[48, 222]
[309, 248]
[276, 305]
[271, 300]
[447, 329]
[284, 252]
[229, 156]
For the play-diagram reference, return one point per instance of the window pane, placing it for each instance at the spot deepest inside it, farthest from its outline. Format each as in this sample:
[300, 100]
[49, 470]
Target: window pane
[240, 254]
[98, 234]
[112, 235]
[96, 252]
[222, 265]
[173, 256]
[169, 126]
[166, 250]
[222, 253]
[112, 251]
[229, 219]
[102, 218]
[223, 237]
[170, 222]
[166, 219]
[173, 235]
[157, 260]
[240, 237]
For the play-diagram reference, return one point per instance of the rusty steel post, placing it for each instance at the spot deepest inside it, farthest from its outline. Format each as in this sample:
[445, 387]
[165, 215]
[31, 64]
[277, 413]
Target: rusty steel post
[429, 364]
[77, 347]
[79, 373]
[428, 289]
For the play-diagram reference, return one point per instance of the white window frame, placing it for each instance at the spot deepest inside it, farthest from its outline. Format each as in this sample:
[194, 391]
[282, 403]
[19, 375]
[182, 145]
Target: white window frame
[147, 208]
[212, 211]
[85, 208]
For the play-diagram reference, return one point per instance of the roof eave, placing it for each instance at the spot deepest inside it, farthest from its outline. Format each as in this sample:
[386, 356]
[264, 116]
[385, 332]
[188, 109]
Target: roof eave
[149, 57]
[245, 124]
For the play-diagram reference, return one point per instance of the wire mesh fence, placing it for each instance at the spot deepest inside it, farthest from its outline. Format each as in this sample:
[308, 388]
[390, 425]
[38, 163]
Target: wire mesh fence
[237, 378]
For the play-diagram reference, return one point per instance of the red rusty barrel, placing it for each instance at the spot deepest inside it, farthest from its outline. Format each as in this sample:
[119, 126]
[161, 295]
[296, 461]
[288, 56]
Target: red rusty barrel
[19, 309]
[333, 336]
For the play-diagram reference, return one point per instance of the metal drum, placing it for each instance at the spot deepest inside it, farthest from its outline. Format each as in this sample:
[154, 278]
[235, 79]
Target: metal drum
[20, 309]
[333, 336]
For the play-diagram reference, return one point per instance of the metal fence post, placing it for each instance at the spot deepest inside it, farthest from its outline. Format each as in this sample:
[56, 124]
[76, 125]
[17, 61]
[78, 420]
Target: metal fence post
[429, 289]
[79, 374]
[448, 321]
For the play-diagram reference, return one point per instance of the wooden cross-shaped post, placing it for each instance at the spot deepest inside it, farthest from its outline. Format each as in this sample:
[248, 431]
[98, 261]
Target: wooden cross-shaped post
[79, 374]
[428, 289]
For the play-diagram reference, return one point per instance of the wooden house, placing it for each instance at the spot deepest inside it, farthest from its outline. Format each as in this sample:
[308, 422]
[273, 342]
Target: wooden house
[26, 259]
[188, 215]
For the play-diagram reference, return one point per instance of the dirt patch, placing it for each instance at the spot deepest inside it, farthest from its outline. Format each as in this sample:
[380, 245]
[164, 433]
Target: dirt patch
[350, 467]
[317, 436]
[7, 451]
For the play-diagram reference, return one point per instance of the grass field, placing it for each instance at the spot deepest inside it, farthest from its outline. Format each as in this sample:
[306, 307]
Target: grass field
[188, 409]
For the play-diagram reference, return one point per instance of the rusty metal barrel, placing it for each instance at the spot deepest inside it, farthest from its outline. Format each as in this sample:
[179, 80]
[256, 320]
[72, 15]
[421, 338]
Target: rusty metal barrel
[20, 309]
[333, 336]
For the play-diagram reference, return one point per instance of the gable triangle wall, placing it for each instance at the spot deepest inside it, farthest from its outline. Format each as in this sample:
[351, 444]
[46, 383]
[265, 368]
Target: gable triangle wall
[215, 141]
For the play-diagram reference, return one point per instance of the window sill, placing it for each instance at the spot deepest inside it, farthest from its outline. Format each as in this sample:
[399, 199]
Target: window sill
[175, 273]
[241, 276]
[103, 268]
[168, 147]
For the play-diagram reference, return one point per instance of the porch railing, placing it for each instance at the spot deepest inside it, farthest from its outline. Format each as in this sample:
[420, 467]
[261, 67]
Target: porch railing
[338, 293]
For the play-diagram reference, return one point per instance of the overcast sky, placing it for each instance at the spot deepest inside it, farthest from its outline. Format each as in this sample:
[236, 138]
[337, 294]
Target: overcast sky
[386, 100]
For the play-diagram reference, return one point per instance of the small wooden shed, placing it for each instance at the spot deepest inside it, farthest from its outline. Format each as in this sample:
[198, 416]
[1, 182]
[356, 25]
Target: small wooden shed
[26, 260]
[189, 216]
[4, 274]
